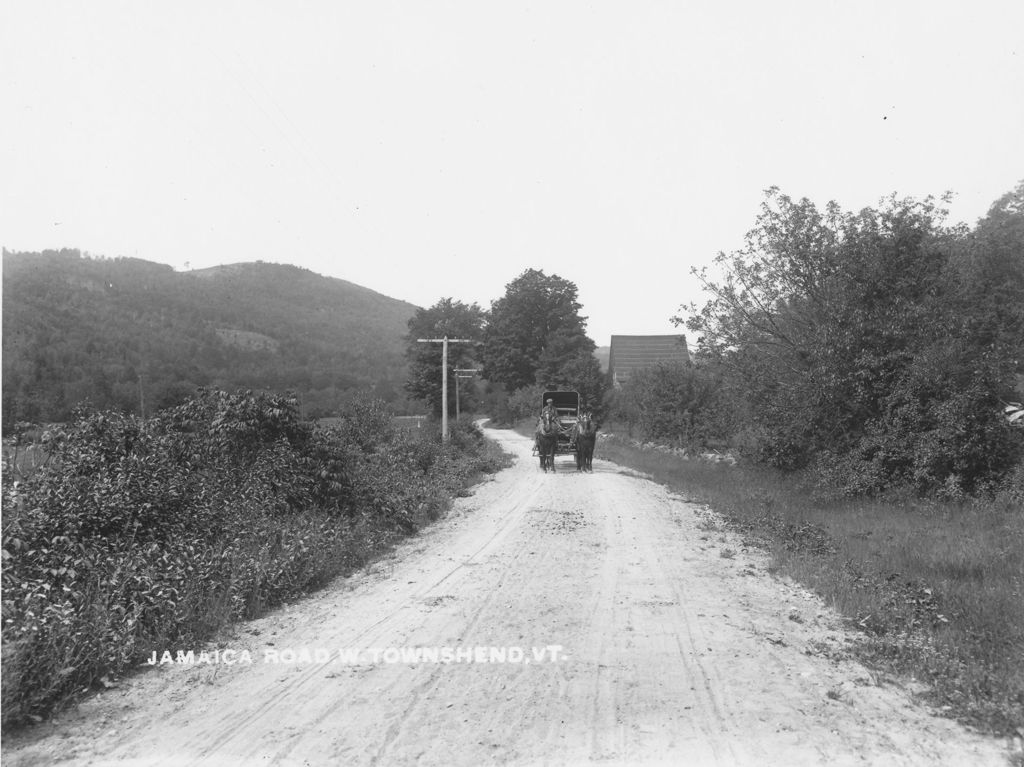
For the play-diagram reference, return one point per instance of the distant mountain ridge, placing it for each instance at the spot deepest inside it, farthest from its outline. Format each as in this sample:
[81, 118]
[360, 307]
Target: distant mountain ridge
[133, 335]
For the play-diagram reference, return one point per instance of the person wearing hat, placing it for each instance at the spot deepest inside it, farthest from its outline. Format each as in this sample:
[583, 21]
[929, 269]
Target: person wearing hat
[550, 410]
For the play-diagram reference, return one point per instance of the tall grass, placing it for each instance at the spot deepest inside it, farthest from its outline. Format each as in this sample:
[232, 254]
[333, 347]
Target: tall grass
[936, 588]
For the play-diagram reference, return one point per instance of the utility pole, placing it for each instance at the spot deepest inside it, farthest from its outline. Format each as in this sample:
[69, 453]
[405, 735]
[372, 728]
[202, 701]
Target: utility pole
[444, 375]
[458, 375]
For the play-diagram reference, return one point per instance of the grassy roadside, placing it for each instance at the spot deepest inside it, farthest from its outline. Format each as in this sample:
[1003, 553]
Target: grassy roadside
[937, 589]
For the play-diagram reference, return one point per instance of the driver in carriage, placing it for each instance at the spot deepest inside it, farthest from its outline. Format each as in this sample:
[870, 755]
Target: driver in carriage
[549, 410]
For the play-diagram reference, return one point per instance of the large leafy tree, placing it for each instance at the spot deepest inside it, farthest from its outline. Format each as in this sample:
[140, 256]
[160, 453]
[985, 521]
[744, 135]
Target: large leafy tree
[445, 318]
[991, 275]
[579, 372]
[535, 334]
[857, 343]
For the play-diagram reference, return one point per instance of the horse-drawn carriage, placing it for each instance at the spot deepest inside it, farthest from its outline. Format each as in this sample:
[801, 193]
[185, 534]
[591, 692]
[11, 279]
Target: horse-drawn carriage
[560, 428]
[567, 406]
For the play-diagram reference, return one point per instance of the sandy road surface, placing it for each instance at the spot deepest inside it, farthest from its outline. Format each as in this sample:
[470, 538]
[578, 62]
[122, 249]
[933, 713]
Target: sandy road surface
[652, 648]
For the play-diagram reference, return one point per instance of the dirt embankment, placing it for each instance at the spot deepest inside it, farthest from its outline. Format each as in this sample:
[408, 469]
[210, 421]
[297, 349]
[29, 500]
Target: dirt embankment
[588, 618]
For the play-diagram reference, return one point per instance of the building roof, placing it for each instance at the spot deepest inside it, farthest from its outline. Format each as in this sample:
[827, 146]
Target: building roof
[631, 353]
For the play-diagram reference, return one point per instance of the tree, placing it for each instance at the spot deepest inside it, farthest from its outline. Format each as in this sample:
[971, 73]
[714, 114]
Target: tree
[991, 274]
[857, 347]
[581, 373]
[445, 318]
[534, 332]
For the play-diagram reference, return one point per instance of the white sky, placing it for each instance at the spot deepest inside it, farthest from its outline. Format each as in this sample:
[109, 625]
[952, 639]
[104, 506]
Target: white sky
[430, 149]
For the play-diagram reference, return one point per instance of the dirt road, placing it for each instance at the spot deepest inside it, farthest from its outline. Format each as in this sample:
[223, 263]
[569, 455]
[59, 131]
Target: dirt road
[632, 629]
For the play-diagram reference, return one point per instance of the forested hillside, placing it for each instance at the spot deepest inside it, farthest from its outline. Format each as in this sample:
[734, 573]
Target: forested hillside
[130, 334]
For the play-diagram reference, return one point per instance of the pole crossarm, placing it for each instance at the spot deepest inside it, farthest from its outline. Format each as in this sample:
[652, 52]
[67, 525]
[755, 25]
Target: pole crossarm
[444, 375]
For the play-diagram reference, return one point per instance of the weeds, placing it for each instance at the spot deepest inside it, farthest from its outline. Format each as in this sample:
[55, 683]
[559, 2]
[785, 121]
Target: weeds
[142, 534]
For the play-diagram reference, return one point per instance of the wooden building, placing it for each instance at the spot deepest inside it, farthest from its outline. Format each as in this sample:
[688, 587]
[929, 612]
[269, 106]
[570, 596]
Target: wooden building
[631, 353]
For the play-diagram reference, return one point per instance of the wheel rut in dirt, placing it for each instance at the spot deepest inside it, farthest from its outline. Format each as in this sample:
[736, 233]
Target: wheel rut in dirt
[655, 649]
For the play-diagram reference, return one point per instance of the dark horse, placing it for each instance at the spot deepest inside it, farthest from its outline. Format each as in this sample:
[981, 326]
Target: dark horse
[586, 436]
[547, 441]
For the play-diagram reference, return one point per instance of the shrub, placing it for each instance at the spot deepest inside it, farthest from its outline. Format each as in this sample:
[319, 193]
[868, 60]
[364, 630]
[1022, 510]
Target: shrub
[148, 534]
[673, 402]
[876, 346]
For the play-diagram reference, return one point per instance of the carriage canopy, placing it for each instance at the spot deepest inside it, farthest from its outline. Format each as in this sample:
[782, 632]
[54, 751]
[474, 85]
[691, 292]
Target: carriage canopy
[567, 403]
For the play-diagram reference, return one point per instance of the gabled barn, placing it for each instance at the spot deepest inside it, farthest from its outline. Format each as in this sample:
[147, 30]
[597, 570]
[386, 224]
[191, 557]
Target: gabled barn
[631, 353]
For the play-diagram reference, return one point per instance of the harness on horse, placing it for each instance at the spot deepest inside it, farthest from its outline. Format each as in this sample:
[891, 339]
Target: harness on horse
[583, 425]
